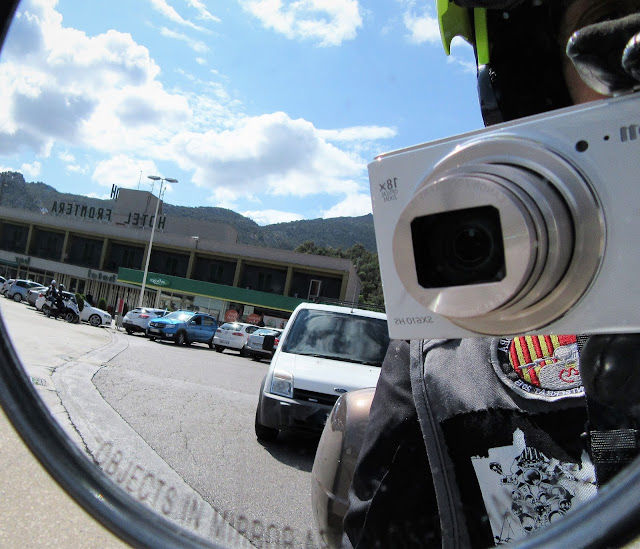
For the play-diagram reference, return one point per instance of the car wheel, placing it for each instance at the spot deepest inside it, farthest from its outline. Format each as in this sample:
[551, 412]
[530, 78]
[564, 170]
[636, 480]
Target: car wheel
[70, 317]
[211, 343]
[265, 433]
[17, 297]
[243, 351]
[94, 320]
[46, 310]
[152, 338]
[255, 357]
[129, 331]
[219, 348]
[181, 339]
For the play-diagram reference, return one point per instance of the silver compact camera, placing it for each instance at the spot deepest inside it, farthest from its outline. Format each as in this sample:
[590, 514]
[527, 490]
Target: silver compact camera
[525, 227]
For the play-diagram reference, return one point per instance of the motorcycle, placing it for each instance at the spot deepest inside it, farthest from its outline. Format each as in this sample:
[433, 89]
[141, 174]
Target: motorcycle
[69, 312]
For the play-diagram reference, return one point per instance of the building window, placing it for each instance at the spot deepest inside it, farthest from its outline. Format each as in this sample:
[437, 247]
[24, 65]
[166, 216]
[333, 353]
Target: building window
[13, 238]
[122, 255]
[263, 279]
[84, 252]
[214, 270]
[169, 263]
[47, 244]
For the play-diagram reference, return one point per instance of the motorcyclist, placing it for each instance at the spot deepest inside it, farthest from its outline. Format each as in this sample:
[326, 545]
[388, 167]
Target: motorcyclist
[52, 291]
[467, 444]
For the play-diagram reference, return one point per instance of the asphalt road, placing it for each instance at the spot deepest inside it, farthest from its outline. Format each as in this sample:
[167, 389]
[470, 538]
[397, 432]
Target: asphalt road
[181, 417]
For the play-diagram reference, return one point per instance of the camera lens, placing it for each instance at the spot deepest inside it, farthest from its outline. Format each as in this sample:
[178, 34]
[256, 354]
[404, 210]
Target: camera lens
[458, 247]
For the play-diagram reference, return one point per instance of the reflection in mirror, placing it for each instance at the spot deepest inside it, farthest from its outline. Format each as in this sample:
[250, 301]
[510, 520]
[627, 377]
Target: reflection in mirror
[245, 106]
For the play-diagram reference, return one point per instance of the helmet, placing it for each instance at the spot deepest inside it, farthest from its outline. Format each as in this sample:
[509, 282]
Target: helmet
[517, 50]
[53, 282]
[61, 287]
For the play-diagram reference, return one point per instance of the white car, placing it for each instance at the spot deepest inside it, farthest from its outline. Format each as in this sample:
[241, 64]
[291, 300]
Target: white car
[324, 352]
[95, 316]
[137, 320]
[233, 335]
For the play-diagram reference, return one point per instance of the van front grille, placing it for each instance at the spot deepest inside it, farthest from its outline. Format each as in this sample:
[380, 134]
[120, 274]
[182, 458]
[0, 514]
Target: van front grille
[312, 396]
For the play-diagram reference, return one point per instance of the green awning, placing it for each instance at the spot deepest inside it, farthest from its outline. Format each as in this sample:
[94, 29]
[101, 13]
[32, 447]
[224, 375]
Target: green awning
[8, 263]
[209, 289]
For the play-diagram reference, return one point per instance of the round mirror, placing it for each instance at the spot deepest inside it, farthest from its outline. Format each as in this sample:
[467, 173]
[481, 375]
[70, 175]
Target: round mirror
[245, 108]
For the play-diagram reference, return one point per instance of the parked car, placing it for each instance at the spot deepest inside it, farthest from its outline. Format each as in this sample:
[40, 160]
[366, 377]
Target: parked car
[5, 285]
[234, 335]
[261, 338]
[184, 328]
[95, 316]
[19, 288]
[137, 320]
[2, 280]
[325, 351]
[34, 293]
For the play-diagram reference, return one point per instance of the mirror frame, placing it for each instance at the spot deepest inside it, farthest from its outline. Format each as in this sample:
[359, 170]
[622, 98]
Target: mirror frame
[612, 518]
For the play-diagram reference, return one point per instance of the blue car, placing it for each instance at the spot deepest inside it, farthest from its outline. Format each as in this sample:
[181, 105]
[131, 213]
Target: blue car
[184, 328]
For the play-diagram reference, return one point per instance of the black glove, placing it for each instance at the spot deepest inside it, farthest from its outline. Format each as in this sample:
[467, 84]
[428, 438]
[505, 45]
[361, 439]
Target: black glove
[607, 54]
[610, 371]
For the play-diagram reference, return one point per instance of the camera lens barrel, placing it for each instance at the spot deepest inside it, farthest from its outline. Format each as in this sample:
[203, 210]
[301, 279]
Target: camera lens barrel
[497, 243]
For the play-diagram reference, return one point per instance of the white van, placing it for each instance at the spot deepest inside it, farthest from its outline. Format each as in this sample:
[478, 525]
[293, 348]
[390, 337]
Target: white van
[325, 351]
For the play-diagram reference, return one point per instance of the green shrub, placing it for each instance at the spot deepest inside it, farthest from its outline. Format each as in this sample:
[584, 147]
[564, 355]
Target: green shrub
[80, 299]
[102, 304]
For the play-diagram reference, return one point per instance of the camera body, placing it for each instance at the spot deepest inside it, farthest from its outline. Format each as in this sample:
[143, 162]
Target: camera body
[522, 228]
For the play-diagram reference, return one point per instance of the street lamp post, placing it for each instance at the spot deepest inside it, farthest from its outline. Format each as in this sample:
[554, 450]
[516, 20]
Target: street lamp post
[153, 230]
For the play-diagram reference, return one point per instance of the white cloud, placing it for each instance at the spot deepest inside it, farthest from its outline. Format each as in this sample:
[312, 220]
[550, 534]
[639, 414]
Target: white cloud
[203, 13]
[358, 133]
[353, 205]
[422, 24]
[170, 13]
[330, 22]
[268, 217]
[267, 154]
[124, 171]
[31, 170]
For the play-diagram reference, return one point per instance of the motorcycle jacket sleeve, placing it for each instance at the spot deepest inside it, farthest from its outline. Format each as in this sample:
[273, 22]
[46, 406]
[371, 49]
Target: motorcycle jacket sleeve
[502, 421]
[471, 443]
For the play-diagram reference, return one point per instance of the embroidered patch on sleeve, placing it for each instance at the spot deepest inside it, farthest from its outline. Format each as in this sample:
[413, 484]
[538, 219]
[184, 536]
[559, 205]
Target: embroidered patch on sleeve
[542, 367]
[524, 490]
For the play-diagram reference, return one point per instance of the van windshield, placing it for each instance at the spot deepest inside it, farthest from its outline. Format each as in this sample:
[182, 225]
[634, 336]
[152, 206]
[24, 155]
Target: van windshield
[338, 336]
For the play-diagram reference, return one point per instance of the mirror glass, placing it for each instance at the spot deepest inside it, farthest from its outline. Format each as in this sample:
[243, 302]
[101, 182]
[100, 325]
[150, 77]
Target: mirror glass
[268, 110]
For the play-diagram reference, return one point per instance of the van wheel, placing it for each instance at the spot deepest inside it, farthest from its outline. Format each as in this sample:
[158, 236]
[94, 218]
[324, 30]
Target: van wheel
[129, 331]
[219, 348]
[265, 433]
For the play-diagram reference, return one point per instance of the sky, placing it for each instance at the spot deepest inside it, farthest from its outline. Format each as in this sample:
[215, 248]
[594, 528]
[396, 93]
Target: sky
[271, 108]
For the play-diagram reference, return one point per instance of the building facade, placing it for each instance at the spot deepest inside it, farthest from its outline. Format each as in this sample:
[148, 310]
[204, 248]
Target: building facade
[100, 251]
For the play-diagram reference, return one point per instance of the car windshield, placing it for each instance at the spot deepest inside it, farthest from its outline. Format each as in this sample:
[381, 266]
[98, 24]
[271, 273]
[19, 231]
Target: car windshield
[181, 316]
[338, 336]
